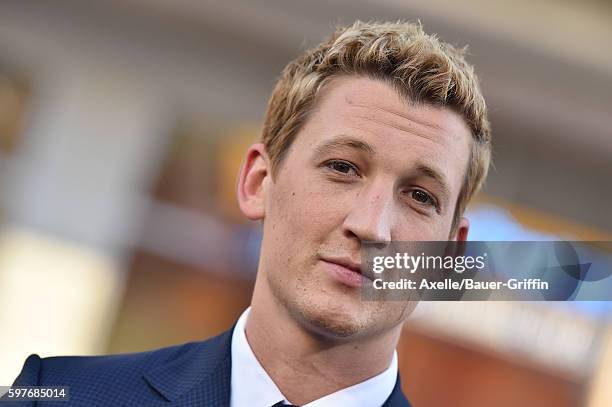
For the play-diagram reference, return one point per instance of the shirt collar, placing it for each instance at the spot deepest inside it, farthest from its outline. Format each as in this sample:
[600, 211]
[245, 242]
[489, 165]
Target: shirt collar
[251, 386]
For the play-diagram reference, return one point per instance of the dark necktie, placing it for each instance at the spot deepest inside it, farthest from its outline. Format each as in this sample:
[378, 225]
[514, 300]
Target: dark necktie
[282, 404]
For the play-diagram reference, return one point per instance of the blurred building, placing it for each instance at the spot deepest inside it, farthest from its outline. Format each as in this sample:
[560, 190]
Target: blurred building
[122, 126]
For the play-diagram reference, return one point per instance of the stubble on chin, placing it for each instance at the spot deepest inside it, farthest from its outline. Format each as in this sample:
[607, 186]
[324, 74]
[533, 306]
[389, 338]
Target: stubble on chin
[328, 313]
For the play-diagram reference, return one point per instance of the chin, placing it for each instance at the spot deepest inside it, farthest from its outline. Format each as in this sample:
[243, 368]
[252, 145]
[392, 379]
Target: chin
[353, 321]
[335, 321]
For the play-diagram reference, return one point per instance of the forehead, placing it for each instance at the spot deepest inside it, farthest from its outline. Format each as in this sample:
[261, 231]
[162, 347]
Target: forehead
[401, 133]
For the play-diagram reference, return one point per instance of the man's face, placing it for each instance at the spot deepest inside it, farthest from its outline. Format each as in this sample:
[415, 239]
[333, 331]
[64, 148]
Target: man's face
[367, 166]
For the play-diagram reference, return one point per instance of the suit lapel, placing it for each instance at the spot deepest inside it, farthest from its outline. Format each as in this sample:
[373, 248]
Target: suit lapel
[397, 398]
[197, 374]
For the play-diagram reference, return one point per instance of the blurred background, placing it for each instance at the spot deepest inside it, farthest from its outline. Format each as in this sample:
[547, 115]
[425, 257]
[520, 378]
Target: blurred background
[122, 127]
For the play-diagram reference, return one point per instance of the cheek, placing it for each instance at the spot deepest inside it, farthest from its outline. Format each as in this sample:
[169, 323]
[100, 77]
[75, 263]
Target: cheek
[411, 226]
[419, 230]
[305, 208]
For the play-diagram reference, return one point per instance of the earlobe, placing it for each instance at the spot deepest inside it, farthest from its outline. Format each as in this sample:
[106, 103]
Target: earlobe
[251, 182]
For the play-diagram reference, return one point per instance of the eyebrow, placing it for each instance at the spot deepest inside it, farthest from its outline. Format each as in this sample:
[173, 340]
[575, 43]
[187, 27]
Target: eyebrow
[429, 172]
[345, 141]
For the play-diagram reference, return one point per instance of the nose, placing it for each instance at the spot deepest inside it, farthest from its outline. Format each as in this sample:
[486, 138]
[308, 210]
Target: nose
[370, 215]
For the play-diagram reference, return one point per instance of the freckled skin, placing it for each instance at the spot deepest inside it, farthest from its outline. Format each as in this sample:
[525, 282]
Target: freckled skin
[310, 211]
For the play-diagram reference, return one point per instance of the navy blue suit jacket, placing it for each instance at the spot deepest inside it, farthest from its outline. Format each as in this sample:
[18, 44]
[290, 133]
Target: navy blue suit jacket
[189, 375]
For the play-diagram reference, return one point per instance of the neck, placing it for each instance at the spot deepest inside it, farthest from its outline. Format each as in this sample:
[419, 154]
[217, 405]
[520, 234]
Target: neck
[304, 365]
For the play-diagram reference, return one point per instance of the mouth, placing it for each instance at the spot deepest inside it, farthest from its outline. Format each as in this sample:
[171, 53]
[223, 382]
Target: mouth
[345, 270]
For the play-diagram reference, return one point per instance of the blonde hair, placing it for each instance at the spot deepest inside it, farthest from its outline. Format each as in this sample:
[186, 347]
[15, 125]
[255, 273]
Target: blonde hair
[418, 66]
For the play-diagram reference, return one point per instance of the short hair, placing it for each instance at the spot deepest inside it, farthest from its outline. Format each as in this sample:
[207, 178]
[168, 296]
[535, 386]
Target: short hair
[417, 65]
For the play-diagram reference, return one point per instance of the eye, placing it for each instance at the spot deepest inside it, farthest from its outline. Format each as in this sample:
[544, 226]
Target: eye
[343, 167]
[423, 198]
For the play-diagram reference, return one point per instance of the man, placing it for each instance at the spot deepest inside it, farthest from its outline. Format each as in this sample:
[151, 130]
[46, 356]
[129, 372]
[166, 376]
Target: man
[378, 134]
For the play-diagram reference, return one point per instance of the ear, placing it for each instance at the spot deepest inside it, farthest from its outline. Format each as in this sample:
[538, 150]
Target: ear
[252, 182]
[457, 241]
[463, 228]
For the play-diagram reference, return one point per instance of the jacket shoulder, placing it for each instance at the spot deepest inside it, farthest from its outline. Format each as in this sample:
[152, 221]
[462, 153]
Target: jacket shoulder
[116, 380]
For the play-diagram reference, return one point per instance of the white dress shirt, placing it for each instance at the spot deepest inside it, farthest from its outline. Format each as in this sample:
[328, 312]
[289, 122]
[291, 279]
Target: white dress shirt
[252, 387]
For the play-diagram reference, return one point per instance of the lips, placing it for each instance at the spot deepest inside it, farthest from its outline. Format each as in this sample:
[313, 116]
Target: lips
[346, 263]
[345, 270]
